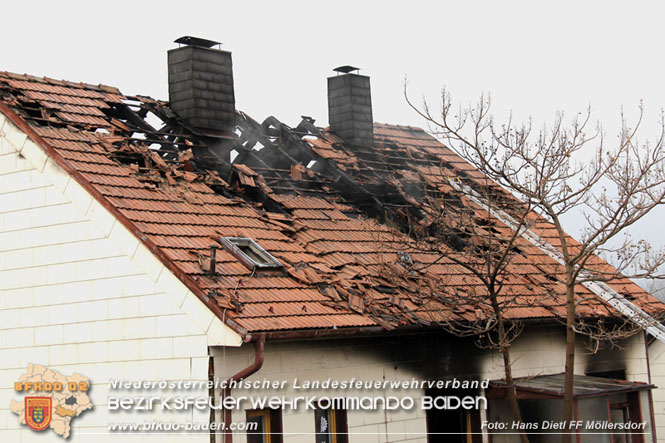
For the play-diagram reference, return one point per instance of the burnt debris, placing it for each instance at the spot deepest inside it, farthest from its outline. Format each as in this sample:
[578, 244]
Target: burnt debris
[341, 209]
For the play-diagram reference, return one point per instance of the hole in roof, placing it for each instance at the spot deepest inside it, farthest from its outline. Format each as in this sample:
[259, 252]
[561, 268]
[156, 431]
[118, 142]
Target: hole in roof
[250, 253]
[233, 154]
[139, 135]
[456, 239]
[237, 131]
[154, 121]
[628, 296]
[258, 146]
[155, 147]
[311, 164]
[102, 131]
[493, 230]
[482, 221]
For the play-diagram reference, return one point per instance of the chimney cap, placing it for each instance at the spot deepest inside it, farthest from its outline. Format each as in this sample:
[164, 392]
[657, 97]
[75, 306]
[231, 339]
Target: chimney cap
[196, 41]
[346, 69]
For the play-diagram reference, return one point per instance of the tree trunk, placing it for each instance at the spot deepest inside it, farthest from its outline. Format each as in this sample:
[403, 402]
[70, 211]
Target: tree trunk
[508, 370]
[569, 367]
[512, 397]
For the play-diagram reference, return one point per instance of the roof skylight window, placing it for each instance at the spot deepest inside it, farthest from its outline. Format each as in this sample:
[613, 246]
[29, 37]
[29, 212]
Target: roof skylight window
[250, 253]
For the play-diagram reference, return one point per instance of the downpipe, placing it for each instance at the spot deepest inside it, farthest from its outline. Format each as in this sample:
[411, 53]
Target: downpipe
[259, 343]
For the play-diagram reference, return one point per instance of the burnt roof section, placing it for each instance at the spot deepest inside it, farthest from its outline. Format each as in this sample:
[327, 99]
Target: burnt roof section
[330, 214]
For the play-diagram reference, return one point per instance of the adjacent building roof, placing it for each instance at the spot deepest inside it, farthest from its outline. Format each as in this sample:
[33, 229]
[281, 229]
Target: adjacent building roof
[552, 386]
[328, 212]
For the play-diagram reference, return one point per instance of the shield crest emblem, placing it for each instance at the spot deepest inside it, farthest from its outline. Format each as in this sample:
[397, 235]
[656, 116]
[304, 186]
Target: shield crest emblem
[38, 412]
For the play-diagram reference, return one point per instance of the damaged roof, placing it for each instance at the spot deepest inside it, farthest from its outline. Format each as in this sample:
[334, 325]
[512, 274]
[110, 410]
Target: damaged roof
[331, 214]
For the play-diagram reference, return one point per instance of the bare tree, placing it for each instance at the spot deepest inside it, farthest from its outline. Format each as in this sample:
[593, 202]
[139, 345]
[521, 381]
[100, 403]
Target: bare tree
[613, 188]
[464, 233]
[657, 289]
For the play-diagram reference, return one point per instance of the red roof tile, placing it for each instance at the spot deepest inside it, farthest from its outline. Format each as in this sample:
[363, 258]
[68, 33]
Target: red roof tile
[341, 268]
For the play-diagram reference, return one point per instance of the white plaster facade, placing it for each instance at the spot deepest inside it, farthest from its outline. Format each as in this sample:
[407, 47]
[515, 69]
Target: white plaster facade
[80, 293]
[538, 351]
[657, 366]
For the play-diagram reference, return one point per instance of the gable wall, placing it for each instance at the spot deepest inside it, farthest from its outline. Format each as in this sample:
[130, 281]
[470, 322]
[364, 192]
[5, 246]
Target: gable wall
[79, 293]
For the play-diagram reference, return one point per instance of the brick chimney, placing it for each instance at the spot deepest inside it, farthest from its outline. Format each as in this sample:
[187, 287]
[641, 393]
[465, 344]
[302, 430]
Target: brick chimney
[350, 106]
[201, 84]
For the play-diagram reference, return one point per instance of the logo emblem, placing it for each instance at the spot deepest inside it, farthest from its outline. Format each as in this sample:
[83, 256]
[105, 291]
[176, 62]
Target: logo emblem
[38, 412]
[50, 400]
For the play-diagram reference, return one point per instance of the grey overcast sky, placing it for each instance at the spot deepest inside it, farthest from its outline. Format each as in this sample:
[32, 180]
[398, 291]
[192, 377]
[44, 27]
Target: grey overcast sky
[533, 57]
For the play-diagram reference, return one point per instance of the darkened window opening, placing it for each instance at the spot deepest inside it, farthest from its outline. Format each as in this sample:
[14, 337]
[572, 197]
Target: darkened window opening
[331, 425]
[453, 425]
[268, 426]
[250, 253]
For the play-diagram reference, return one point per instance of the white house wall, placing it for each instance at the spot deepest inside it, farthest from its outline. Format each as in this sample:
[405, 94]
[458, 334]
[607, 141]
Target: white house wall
[541, 351]
[79, 293]
[338, 360]
[538, 351]
[657, 365]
